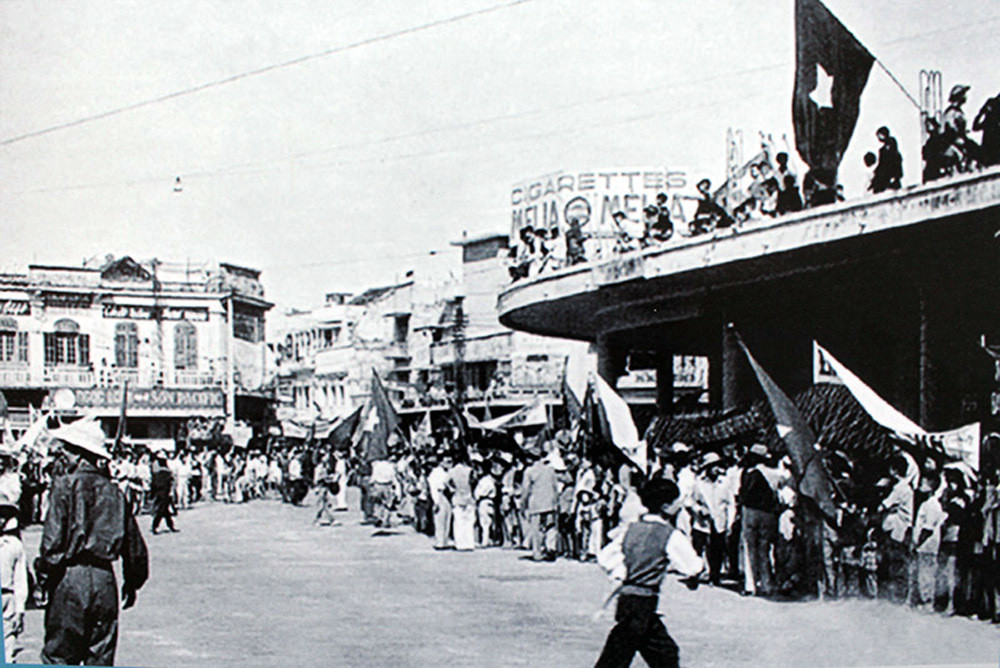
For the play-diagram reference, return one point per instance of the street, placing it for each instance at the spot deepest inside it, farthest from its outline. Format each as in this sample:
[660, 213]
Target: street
[258, 584]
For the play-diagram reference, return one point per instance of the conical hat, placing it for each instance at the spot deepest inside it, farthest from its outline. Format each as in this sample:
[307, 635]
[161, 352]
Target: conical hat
[84, 434]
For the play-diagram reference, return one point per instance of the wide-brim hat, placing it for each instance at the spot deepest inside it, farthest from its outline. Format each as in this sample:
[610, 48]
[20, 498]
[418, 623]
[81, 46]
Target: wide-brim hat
[84, 434]
[710, 459]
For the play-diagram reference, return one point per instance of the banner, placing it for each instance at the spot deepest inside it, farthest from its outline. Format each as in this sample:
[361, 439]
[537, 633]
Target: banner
[549, 202]
[880, 410]
[962, 443]
[531, 415]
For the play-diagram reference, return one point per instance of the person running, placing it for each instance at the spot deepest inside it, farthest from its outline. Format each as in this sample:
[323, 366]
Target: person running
[638, 558]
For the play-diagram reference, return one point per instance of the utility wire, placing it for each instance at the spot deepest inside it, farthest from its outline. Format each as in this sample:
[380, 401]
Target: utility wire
[261, 70]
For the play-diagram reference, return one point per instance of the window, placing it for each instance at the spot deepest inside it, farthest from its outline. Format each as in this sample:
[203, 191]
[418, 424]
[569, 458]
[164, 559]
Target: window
[126, 345]
[185, 346]
[64, 348]
[13, 344]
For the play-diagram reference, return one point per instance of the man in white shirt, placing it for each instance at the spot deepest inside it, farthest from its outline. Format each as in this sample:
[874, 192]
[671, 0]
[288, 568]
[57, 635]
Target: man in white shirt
[384, 486]
[926, 543]
[638, 558]
[437, 480]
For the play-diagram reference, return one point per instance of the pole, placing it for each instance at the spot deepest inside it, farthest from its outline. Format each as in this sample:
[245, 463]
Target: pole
[230, 369]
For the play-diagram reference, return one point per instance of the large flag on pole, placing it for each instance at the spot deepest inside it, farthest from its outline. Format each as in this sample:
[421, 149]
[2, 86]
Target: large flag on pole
[800, 441]
[616, 423]
[832, 68]
[380, 422]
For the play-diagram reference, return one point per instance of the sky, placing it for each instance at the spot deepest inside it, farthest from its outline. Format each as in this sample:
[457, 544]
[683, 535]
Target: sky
[411, 122]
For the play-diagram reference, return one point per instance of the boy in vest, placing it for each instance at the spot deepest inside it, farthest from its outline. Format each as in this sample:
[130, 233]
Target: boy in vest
[638, 558]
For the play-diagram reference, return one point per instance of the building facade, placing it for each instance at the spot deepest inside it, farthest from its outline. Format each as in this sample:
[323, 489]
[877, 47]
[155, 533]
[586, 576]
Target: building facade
[433, 338]
[902, 287]
[187, 341]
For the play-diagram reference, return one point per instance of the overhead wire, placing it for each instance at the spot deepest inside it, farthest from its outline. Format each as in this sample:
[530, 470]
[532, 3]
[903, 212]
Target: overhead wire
[260, 70]
[255, 167]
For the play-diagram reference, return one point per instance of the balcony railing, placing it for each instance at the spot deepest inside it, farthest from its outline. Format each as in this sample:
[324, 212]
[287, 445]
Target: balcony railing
[195, 379]
[68, 377]
[14, 375]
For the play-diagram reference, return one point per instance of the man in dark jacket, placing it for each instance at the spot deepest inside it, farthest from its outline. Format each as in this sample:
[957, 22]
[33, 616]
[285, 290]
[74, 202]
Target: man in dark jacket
[88, 526]
[160, 488]
[759, 505]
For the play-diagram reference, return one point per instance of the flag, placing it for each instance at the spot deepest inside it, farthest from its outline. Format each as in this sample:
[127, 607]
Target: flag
[616, 423]
[380, 422]
[800, 441]
[120, 433]
[346, 426]
[831, 71]
[532, 415]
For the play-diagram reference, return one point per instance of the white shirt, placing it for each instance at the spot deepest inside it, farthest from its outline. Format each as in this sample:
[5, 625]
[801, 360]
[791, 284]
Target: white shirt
[681, 555]
[437, 480]
[383, 471]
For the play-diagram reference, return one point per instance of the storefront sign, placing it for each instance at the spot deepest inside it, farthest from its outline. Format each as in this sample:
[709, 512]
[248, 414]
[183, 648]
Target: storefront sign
[184, 313]
[67, 300]
[147, 312]
[15, 307]
[127, 311]
[549, 202]
[154, 398]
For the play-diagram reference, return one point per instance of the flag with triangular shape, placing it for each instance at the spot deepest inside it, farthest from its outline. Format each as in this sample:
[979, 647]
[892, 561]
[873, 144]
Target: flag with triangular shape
[800, 441]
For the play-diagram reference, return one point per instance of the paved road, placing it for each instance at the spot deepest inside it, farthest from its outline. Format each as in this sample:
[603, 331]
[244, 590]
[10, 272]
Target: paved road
[257, 585]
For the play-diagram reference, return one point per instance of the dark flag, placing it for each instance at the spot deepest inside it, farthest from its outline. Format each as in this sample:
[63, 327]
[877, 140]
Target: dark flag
[120, 433]
[342, 431]
[807, 463]
[832, 69]
[379, 423]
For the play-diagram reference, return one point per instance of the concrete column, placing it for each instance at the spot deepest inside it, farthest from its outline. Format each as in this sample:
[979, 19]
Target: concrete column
[665, 383]
[610, 359]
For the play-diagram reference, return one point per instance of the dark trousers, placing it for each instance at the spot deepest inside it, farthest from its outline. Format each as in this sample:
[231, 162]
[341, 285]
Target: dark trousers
[161, 511]
[81, 620]
[639, 629]
[760, 530]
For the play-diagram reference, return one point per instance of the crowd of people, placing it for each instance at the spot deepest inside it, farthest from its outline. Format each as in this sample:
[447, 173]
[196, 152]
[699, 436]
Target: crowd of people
[932, 540]
[773, 191]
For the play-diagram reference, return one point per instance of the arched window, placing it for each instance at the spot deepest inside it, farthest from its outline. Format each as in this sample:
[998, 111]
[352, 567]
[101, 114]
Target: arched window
[126, 345]
[185, 346]
[66, 345]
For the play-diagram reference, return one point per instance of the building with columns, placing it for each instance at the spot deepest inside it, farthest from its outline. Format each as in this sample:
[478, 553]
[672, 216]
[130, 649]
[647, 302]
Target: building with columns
[902, 287]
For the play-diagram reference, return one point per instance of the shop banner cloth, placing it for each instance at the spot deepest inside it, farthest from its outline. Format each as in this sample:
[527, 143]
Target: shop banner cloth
[616, 423]
[800, 441]
[961, 443]
[532, 415]
[832, 68]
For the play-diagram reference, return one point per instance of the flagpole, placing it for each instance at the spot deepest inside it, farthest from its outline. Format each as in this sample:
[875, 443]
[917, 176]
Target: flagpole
[898, 83]
[876, 58]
